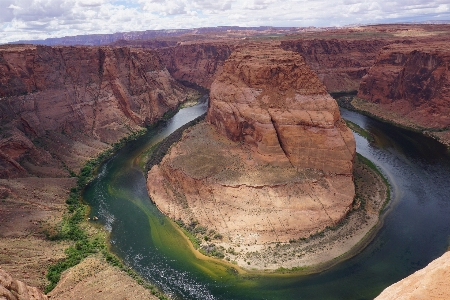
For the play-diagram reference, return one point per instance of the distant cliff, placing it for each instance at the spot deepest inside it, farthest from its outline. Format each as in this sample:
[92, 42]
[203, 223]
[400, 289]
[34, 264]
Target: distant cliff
[339, 63]
[409, 84]
[60, 106]
[414, 80]
[196, 62]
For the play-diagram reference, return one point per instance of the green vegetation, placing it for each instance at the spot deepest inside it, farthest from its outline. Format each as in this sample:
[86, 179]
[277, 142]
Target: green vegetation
[359, 130]
[372, 166]
[72, 227]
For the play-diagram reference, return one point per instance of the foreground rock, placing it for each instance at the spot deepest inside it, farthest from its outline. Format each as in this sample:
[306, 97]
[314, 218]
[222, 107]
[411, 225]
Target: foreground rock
[95, 279]
[272, 164]
[431, 283]
[11, 289]
[410, 85]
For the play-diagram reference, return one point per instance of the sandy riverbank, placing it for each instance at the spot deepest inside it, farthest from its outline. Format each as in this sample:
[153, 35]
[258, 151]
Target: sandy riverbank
[329, 247]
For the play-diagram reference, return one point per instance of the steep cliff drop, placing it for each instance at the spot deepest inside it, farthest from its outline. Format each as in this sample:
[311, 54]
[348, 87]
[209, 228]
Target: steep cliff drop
[409, 84]
[273, 162]
[63, 105]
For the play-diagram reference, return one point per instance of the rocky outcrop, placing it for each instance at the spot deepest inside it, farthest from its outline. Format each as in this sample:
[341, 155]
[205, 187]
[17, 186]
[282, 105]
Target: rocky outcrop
[196, 62]
[259, 171]
[272, 101]
[412, 81]
[339, 63]
[429, 283]
[11, 289]
[60, 106]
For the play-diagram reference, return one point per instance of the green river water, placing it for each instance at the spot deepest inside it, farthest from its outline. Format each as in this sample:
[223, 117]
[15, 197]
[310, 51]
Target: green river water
[416, 224]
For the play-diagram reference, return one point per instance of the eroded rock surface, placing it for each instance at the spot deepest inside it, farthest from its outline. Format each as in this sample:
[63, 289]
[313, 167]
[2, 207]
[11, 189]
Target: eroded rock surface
[410, 85]
[11, 289]
[431, 283]
[62, 105]
[263, 168]
[340, 63]
[270, 100]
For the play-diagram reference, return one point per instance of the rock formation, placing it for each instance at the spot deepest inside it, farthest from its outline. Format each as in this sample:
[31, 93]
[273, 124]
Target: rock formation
[410, 83]
[11, 289]
[196, 62]
[61, 105]
[431, 283]
[274, 160]
[339, 63]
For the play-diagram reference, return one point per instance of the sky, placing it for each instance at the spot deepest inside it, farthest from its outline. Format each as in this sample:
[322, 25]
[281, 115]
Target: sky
[40, 19]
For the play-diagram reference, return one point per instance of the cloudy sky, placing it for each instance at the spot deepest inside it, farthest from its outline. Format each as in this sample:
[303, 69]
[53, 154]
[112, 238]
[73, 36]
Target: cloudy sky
[40, 19]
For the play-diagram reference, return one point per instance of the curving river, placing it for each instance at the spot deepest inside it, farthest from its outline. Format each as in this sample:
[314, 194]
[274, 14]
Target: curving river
[416, 223]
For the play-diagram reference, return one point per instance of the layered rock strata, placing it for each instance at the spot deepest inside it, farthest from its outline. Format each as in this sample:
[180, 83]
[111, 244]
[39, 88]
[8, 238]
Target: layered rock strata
[61, 105]
[410, 85]
[272, 163]
[339, 63]
[196, 62]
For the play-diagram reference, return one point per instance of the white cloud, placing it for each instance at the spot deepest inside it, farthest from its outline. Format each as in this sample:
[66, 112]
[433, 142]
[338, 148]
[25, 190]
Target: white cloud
[39, 19]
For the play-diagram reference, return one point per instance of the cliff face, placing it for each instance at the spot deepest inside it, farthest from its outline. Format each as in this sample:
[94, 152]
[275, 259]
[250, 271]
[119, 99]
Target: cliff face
[271, 100]
[430, 283]
[259, 170]
[64, 105]
[339, 63]
[412, 81]
[196, 62]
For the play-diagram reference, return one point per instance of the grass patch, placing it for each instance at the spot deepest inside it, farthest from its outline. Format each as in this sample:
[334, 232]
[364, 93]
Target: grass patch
[359, 130]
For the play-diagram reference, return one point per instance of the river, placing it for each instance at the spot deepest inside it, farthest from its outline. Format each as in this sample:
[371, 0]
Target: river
[416, 224]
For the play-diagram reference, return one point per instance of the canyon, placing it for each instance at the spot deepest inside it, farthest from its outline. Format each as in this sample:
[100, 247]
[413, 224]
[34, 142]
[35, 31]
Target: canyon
[61, 106]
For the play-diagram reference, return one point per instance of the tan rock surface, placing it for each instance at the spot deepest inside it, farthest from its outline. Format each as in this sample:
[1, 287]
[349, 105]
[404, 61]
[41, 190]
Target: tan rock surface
[430, 283]
[271, 100]
[95, 279]
[11, 289]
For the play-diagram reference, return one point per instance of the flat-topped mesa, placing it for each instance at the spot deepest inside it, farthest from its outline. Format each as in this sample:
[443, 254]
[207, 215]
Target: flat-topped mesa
[270, 99]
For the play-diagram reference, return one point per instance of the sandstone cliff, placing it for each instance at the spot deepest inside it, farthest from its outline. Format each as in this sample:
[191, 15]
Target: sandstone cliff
[410, 83]
[63, 105]
[339, 63]
[412, 79]
[431, 283]
[271, 101]
[196, 62]
[263, 168]
[11, 289]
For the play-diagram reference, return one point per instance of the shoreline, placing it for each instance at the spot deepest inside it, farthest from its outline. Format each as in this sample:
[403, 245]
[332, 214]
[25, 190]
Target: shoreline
[314, 254]
[327, 248]
[374, 111]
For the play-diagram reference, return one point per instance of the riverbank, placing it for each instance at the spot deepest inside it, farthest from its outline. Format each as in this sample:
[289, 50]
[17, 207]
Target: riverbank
[387, 115]
[326, 248]
[307, 255]
[45, 233]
